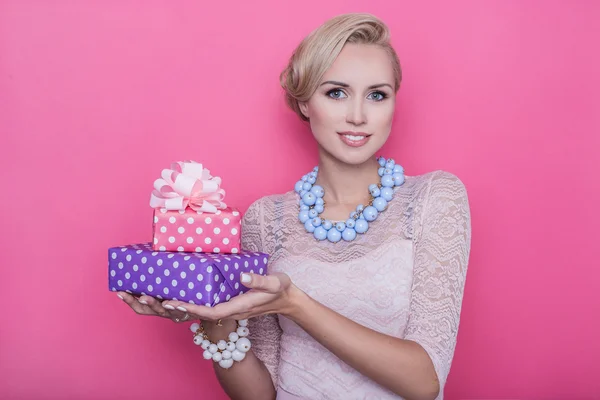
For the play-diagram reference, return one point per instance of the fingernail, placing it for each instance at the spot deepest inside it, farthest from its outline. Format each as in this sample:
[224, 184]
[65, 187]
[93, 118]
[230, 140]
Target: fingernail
[246, 278]
[121, 297]
[181, 309]
[143, 301]
[169, 307]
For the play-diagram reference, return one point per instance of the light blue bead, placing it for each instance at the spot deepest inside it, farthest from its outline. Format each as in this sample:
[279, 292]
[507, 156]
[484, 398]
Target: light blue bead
[359, 208]
[380, 204]
[305, 178]
[319, 201]
[304, 207]
[319, 208]
[381, 171]
[318, 191]
[350, 223]
[340, 226]
[382, 161]
[312, 213]
[327, 225]
[398, 179]
[298, 186]
[333, 235]
[390, 164]
[388, 171]
[310, 228]
[320, 233]
[398, 169]
[303, 216]
[312, 180]
[309, 198]
[306, 186]
[316, 169]
[374, 190]
[317, 221]
[387, 193]
[349, 234]
[370, 213]
[353, 214]
[361, 226]
[386, 181]
[303, 192]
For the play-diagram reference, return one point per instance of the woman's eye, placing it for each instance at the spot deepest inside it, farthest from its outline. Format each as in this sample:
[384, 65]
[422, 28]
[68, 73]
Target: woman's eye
[336, 94]
[377, 96]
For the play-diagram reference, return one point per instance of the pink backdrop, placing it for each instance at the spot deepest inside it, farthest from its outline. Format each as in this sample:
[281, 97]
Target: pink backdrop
[97, 97]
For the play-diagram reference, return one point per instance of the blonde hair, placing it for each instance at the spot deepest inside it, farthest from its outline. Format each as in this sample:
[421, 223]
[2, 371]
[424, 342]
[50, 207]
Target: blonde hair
[318, 51]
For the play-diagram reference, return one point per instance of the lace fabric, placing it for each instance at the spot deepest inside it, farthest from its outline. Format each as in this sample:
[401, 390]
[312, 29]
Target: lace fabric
[405, 278]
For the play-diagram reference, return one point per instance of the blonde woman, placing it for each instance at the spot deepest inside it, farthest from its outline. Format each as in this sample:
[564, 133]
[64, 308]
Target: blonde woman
[367, 265]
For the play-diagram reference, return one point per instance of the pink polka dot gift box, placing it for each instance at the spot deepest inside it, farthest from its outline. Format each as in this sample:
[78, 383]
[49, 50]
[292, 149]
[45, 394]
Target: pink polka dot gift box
[189, 212]
[197, 278]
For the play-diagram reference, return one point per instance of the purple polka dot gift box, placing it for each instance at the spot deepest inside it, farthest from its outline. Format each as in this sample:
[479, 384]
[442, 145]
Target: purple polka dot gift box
[197, 278]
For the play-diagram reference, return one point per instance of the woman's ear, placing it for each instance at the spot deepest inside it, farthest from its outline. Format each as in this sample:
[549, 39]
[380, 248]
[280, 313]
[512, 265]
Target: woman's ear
[304, 109]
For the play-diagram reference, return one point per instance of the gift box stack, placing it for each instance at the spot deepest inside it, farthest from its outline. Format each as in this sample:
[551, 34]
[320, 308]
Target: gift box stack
[195, 254]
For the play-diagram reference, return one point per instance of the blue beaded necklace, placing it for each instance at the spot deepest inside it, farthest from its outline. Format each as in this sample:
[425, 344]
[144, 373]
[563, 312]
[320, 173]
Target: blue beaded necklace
[312, 204]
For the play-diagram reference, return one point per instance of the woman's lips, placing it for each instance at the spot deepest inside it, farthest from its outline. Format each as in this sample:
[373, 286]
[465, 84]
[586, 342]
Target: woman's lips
[354, 139]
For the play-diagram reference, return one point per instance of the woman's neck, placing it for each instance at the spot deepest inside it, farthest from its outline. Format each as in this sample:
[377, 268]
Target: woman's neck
[346, 184]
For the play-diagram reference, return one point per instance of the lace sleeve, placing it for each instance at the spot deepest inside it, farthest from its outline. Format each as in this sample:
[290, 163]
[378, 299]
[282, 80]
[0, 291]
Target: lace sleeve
[265, 331]
[440, 266]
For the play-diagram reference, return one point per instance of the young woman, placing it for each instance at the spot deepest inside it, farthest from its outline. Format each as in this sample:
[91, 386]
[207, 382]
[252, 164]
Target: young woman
[367, 265]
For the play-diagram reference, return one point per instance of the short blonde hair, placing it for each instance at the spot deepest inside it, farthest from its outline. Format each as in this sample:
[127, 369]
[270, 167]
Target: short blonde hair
[318, 51]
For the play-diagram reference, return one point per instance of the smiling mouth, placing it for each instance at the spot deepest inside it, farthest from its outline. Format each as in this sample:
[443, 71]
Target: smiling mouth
[354, 139]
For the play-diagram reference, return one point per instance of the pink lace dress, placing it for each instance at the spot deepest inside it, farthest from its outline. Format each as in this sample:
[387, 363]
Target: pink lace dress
[405, 278]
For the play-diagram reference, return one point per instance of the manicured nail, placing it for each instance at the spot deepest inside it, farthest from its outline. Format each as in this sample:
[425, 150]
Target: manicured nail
[169, 307]
[246, 278]
[143, 302]
[121, 297]
[181, 309]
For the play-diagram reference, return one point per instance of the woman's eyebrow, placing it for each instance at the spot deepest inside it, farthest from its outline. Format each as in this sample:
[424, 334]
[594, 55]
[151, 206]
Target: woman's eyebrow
[342, 84]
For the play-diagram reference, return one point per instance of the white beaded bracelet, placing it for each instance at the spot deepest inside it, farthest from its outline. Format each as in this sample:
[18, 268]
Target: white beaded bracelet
[222, 352]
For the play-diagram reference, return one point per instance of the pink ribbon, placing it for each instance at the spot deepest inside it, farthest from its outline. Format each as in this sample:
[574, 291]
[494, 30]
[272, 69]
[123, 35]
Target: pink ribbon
[187, 183]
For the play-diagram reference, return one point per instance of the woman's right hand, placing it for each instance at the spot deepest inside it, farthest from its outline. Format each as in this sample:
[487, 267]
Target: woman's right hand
[147, 305]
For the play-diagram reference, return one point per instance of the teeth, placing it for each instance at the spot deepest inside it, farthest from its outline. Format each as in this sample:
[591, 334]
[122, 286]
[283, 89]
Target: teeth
[354, 138]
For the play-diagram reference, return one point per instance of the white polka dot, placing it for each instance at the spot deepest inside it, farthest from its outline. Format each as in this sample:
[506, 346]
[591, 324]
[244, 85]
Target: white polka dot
[208, 220]
[216, 278]
[127, 275]
[218, 212]
[203, 260]
[183, 274]
[134, 285]
[234, 250]
[251, 271]
[143, 278]
[225, 240]
[180, 248]
[207, 304]
[181, 229]
[190, 240]
[155, 240]
[114, 256]
[231, 276]
[208, 288]
[163, 229]
[265, 260]
[192, 267]
[237, 286]
[199, 212]
[236, 265]
[154, 253]
[199, 296]
[162, 248]
[166, 290]
[174, 283]
[226, 221]
[120, 265]
[163, 210]
[190, 220]
[255, 262]
[150, 270]
[200, 278]
[158, 280]
[123, 249]
[226, 267]
[234, 231]
[222, 288]
[113, 273]
[198, 249]
[260, 271]
[144, 259]
[150, 288]
[228, 297]
[181, 212]
[207, 240]
[171, 239]
[246, 264]
[172, 220]
[175, 264]
[128, 258]
[181, 293]
[190, 285]
[216, 250]
[155, 219]
[159, 262]
[217, 231]
[120, 283]
[167, 272]
[209, 269]
[216, 299]
[199, 231]
[171, 256]
[186, 258]
[235, 213]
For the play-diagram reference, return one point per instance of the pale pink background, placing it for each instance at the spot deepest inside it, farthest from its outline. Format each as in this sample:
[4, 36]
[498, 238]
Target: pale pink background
[96, 97]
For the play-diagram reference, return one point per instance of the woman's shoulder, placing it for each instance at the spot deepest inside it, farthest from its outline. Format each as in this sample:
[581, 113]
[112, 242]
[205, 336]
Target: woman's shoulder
[434, 182]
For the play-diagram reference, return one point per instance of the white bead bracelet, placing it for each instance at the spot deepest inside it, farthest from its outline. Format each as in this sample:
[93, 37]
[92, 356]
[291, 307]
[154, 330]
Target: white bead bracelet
[222, 352]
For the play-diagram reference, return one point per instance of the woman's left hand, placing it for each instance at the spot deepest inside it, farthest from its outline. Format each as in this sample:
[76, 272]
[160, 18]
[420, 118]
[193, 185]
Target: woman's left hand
[269, 294]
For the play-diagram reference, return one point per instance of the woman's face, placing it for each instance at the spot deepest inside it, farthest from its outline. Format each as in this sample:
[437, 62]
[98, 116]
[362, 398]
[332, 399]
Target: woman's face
[352, 110]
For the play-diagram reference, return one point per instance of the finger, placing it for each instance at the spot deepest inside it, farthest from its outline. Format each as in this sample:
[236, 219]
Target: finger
[155, 306]
[268, 283]
[203, 312]
[135, 304]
